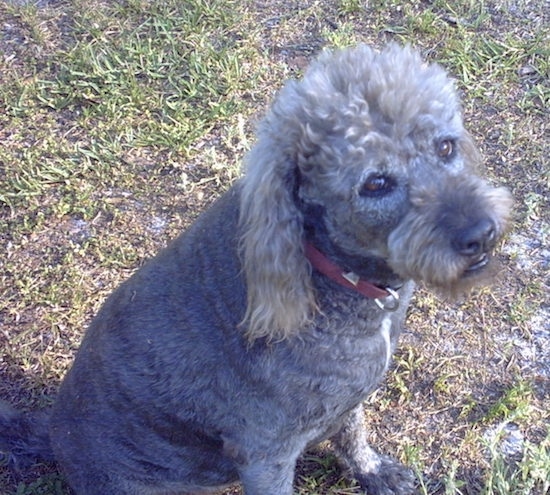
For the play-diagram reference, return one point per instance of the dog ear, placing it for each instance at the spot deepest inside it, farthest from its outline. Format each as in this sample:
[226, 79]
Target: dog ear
[280, 296]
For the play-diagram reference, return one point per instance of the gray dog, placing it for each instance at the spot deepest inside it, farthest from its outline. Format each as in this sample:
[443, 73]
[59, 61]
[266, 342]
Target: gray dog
[260, 331]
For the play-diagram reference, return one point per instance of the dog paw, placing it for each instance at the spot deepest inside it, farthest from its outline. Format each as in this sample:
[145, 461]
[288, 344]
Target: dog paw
[391, 478]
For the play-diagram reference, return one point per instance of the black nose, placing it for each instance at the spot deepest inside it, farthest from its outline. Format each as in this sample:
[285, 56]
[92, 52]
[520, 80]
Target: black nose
[476, 239]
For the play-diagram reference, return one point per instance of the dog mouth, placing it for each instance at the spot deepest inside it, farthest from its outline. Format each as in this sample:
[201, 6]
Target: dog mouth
[477, 264]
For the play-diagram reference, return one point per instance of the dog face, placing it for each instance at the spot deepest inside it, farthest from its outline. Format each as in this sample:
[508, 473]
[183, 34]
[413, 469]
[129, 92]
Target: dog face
[394, 176]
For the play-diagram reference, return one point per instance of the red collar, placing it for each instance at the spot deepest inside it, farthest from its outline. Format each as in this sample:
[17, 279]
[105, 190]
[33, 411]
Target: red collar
[350, 280]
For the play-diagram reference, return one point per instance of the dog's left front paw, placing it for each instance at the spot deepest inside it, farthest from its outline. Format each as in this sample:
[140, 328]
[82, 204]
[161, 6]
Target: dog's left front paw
[391, 478]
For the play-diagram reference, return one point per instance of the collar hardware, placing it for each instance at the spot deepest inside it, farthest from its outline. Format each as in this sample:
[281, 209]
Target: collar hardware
[386, 299]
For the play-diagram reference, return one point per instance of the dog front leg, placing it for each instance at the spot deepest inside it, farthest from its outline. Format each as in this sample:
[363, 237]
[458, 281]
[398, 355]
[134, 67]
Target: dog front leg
[376, 474]
[268, 477]
[264, 468]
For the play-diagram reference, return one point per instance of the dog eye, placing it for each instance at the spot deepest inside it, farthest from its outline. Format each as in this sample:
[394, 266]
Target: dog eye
[377, 185]
[445, 148]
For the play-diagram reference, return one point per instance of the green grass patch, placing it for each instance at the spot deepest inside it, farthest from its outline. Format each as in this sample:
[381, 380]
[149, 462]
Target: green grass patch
[127, 75]
[527, 476]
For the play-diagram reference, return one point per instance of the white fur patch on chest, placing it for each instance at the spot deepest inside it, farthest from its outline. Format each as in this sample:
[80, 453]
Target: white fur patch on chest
[385, 332]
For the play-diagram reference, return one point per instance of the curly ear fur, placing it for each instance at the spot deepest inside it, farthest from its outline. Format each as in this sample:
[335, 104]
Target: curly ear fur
[278, 276]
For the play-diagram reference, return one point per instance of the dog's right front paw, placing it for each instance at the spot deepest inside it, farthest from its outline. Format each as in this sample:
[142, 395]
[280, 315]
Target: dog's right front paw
[391, 478]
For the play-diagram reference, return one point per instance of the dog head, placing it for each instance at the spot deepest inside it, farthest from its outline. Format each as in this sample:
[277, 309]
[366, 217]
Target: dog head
[369, 153]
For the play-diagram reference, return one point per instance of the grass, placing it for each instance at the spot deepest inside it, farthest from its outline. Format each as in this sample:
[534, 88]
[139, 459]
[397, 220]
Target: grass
[121, 120]
[523, 478]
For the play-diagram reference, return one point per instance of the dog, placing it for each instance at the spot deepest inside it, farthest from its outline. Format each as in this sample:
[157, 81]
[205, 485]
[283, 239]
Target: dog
[261, 330]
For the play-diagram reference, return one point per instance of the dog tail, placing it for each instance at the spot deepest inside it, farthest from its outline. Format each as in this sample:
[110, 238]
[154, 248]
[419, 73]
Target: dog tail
[24, 438]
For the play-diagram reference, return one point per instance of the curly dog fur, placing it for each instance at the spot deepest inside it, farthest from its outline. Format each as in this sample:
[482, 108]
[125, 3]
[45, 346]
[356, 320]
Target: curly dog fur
[228, 354]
